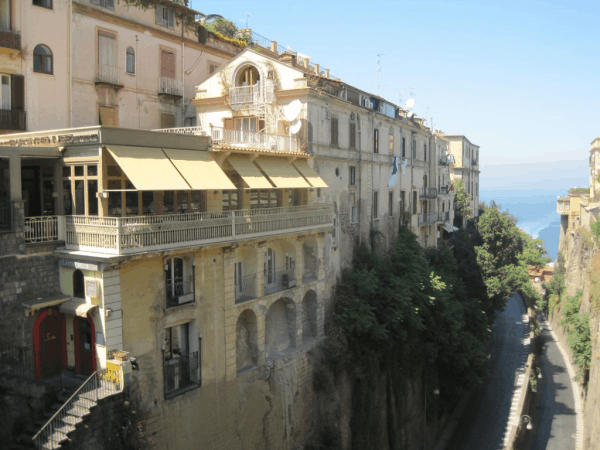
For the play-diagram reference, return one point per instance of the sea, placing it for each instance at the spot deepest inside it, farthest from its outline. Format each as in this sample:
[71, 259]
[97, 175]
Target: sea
[535, 211]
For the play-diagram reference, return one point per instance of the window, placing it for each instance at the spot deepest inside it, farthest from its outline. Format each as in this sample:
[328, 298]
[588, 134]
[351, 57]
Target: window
[375, 140]
[165, 16]
[404, 147]
[80, 185]
[334, 131]
[78, 284]
[391, 143]
[130, 60]
[43, 3]
[106, 57]
[42, 59]
[402, 201]
[414, 149]
[391, 203]
[181, 360]
[179, 280]
[189, 122]
[375, 204]
[5, 92]
[424, 152]
[105, 3]
[414, 202]
[352, 176]
[352, 135]
[264, 198]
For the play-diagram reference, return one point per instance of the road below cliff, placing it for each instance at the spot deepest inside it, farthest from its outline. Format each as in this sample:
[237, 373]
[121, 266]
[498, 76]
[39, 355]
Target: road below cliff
[485, 421]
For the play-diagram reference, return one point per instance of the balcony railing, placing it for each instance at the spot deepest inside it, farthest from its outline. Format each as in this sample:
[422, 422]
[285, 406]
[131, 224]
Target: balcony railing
[10, 38]
[474, 162]
[245, 288]
[428, 218]
[240, 96]
[180, 291]
[108, 75]
[181, 373]
[279, 280]
[171, 86]
[446, 160]
[240, 138]
[429, 192]
[41, 229]
[13, 120]
[444, 189]
[127, 235]
[5, 217]
[443, 216]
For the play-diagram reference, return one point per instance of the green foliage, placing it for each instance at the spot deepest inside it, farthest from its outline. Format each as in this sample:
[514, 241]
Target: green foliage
[462, 204]
[577, 326]
[222, 26]
[596, 231]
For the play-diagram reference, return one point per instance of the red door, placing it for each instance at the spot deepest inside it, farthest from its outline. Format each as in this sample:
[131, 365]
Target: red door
[50, 345]
[85, 361]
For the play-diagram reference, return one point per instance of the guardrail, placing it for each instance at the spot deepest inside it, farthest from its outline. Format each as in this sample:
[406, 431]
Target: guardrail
[17, 360]
[245, 288]
[429, 192]
[279, 280]
[428, 218]
[41, 229]
[127, 235]
[13, 120]
[171, 86]
[181, 373]
[108, 74]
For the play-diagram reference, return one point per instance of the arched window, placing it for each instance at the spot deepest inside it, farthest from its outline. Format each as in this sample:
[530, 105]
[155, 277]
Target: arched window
[78, 284]
[248, 76]
[42, 59]
[130, 60]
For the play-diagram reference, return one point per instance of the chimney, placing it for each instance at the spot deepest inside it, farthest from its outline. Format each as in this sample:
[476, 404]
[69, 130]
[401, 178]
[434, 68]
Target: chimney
[317, 69]
[288, 58]
[306, 63]
[326, 73]
[274, 46]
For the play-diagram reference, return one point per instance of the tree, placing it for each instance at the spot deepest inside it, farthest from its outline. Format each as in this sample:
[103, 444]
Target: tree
[222, 26]
[462, 204]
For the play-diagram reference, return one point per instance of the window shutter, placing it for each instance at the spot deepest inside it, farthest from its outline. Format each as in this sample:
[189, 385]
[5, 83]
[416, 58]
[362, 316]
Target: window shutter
[159, 14]
[171, 18]
[18, 92]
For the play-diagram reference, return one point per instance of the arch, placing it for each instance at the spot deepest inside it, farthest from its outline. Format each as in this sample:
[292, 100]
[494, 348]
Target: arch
[280, 333]
[246, 75]
[310, 307]
[130, 60]
[43, 59]
[47, 345]
[78, 284]
[84, 337]
[246, 343]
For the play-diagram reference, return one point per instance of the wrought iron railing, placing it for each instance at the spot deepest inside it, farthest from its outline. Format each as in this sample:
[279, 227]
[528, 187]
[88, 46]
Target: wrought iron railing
[181, 373]
[429, 192]
[279, 280]
[108, 74]
[5, 217]
[17, 361]
[13, 120]
[444, 189]
[41, 229]
[10, 38]
[180, 291]
[245, 288]
[428, 218]
[55, 430]
[171, 86]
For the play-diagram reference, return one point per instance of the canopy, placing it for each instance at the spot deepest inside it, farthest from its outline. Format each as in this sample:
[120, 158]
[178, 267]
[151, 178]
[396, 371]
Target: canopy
[148, 168]
[31, 306]
[199, 170]
[282, 173]
[249, 172]
[76, 308]
[311, 176]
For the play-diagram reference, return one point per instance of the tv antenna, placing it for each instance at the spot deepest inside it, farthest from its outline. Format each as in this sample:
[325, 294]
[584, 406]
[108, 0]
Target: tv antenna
[247, 16]
[379, 55]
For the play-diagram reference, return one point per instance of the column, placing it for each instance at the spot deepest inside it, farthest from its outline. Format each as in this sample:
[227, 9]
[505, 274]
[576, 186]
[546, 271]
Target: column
[320, 256]
[261, 256]
[228, 278]
[299, 248]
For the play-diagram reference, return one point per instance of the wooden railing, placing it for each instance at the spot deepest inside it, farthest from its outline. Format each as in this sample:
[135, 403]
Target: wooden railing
[126, 235]
[41, 229]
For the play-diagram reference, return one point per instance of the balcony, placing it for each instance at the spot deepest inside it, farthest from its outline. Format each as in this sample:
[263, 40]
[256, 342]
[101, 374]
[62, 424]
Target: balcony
[474, 162]
[181, 373]
[444, 189]
[13, 120]
[241, 97]
[245, 288]
[446, 160]
[10, 39]
[41, 229]
[429, 192]
[563, 205]
[181, 291]
[279, 280]
[108, 75]
[443, 216]
[170, 86]
[242, 139]
[428, 218]
[129, 235]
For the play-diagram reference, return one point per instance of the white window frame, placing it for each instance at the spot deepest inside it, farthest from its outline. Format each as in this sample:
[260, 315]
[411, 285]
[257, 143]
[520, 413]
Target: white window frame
[5, 94]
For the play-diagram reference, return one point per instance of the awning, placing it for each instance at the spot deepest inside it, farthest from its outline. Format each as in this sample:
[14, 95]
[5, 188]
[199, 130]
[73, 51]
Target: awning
[312, 177]
[76, 308]
[249, 172]
[449, 228]
[31, 306]
[148, 168]
[282, 173]
[199, 170]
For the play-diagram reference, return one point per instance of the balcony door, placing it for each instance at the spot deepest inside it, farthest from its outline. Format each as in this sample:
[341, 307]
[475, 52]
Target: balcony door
[31, 191]
[167, 64]
[5, 92]
[85, 361]
[270, 275]
[106, 53]
[4, 15]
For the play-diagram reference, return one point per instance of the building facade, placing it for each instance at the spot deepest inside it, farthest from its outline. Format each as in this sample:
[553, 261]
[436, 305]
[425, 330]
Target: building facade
[465, 167]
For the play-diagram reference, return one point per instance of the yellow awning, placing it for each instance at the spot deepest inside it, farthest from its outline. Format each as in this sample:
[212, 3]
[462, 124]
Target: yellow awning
[282, 173]
[249, 172]
[199, 170]
[313, 178]
[76, 308]
[148, 168]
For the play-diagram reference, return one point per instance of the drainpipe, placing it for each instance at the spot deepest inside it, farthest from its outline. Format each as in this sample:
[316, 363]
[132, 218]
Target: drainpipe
[359, 179]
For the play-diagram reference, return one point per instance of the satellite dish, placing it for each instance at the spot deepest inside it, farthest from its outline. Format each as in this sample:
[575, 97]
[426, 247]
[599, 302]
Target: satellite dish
[295, 126]
[292, 111]
[410, 103]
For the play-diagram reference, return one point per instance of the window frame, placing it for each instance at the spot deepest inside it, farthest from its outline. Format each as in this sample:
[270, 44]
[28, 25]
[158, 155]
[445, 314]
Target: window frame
[352, 135]
[188, 290]
[182, 359]
[169, 21]
[43, 6]
[375, 205]
[127, 56]
[352, 176]
[334, 131]
[375, 140]
[391, 142]
[42, 58]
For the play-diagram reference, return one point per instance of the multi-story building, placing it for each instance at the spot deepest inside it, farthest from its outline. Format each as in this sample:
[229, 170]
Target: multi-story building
[465, 167]
[88, 62]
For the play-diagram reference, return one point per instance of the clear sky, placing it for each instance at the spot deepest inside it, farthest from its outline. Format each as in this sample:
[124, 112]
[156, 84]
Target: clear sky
[520, 79]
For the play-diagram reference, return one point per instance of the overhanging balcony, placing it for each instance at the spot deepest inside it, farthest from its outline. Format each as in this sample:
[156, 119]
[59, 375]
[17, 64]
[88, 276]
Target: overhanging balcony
[13, 120]
[108, 75]
[170, 86]
[252, 97]
[563, 205]
[129, 235]
[429, 192]
[428, 218]
[10, 39]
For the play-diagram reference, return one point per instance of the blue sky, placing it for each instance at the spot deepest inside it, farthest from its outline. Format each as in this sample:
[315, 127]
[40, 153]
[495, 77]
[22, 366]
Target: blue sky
[520, 79]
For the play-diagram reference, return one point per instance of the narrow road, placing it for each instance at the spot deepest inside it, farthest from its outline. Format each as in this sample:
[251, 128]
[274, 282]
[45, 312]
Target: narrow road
[484, 423]
[556, 419]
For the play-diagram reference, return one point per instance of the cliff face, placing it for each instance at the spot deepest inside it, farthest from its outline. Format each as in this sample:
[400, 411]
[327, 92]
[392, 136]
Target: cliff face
[582, 272]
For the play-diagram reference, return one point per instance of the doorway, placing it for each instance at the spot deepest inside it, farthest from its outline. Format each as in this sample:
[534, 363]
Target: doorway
[85, 360]
[48, 332]
[31, 190]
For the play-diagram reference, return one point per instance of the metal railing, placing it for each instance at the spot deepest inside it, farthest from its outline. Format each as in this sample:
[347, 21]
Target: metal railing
[254, 95]
[279, 280]
[5, 217]
[170, 86]
[444, 216]
[41, 229]
[17, 361]
[444, 189]
[14, 120]
[10, 38]
[181, 373]
[474, 162]
[245, 288]
[108, 74]
[126, 235]
[55, 430]
[429, 192]
[446, 160]
[428, 218]
[180, 291]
